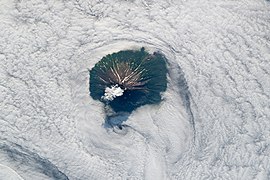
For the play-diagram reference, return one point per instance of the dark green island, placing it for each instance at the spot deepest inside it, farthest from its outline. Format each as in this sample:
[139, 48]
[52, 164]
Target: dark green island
[129, 79]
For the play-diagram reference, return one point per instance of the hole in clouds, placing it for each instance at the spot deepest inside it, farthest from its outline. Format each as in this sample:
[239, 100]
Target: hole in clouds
[164, 128]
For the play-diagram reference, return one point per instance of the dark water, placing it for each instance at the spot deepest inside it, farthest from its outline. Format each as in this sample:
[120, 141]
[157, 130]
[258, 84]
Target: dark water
[147, 75]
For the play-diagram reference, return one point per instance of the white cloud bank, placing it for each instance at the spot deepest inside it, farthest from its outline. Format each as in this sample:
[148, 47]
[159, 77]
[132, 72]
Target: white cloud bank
[50, 128]
[7, 173]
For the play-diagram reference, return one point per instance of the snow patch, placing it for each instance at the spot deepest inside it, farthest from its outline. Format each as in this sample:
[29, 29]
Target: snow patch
[112, 92]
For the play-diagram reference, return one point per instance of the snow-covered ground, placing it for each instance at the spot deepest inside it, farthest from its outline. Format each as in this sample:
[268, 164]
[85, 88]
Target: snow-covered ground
[212, 124]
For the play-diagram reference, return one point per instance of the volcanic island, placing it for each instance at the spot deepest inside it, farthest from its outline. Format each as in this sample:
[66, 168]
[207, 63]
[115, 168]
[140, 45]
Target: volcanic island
[129, 79]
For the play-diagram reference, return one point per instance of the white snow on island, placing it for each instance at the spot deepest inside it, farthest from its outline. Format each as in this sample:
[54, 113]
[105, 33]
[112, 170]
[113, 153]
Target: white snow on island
[112, 92]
